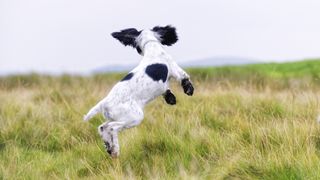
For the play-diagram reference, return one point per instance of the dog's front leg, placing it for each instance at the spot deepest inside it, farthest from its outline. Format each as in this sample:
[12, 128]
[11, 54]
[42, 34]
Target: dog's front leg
[180, 75]
[169, 97]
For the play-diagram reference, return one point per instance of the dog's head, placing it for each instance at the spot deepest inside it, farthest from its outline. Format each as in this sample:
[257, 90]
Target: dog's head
[137, 39]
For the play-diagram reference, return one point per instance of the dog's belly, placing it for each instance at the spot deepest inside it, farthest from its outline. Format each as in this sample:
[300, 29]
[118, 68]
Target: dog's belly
[148, 94]
[129, 111]
[148, 90]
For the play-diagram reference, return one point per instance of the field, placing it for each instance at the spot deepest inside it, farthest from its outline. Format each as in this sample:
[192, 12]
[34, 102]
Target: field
[243, 122]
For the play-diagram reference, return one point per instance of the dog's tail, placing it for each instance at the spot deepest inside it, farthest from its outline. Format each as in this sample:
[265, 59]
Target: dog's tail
[93, 111]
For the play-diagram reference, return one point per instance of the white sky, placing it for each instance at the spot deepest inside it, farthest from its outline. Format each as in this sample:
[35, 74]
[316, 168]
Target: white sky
[74, 35]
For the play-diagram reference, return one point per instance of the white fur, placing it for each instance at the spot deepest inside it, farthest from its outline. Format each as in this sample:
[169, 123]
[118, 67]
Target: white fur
[124, 104]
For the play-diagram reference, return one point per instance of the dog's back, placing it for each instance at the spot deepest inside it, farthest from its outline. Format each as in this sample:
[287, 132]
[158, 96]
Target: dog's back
[141, 85]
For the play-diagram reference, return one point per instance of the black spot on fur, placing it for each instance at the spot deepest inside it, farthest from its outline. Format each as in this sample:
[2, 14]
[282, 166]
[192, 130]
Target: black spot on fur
[157, 72]
[168, 34]
[127, 36]
[127, 77]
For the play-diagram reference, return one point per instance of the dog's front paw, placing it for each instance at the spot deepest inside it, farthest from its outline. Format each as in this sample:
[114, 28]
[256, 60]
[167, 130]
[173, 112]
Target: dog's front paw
[187, 87]
[170, 98]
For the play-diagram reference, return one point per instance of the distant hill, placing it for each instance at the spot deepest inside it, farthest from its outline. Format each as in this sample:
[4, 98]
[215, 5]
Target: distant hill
[214, 61]
[219, 61]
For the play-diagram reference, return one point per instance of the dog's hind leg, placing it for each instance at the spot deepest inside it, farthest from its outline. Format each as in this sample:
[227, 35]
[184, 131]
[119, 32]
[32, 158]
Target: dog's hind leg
[109, 134]
[109, 131]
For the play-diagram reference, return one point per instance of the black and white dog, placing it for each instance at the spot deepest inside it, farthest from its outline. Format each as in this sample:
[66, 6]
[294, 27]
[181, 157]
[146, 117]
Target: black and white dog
[123, 106]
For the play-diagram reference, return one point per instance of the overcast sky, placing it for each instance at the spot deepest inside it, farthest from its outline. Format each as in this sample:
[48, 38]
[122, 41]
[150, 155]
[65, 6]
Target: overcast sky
[74, 35]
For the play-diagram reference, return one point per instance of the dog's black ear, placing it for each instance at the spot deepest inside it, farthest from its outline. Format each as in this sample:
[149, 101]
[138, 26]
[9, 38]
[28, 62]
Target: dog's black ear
[167, 34]
[127, 36]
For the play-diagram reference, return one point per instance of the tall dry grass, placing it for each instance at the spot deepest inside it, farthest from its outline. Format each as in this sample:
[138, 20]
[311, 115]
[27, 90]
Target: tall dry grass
[251, 122]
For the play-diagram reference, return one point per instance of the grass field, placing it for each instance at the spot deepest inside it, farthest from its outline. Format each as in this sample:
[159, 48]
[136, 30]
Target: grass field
[247, 122]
